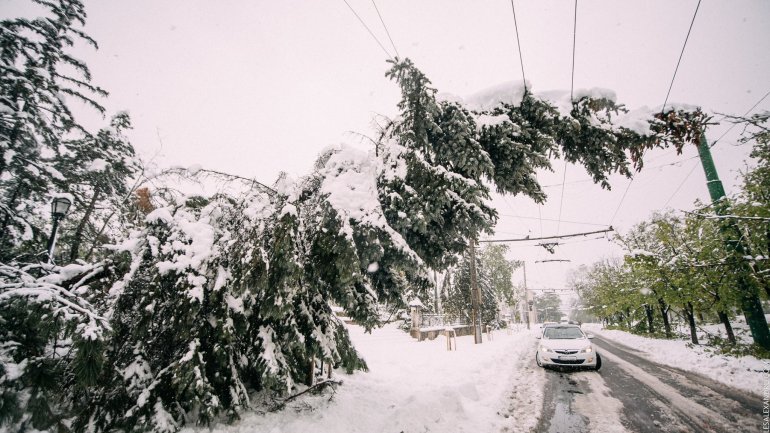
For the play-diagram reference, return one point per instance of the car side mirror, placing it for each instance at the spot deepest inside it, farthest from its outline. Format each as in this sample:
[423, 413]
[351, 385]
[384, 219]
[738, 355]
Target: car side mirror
[590, 336]
[537, 336]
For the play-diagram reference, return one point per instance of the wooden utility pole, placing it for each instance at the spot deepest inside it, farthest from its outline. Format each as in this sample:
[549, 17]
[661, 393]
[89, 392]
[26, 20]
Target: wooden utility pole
[529, 301]
[475, 295]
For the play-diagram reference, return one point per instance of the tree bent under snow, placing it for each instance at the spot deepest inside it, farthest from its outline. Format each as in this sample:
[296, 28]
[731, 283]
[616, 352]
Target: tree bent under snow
[216, 298]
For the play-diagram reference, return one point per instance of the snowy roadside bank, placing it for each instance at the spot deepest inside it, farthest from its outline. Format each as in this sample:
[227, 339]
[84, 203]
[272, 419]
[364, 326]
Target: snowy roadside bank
[746, 373]
[420, 387]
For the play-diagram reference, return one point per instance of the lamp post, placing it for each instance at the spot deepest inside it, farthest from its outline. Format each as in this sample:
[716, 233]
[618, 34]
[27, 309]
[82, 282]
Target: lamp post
[59, 207]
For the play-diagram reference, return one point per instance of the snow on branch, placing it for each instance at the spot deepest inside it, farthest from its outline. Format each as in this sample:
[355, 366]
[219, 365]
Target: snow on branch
[719, 217]
[16, 283]
[349, 182]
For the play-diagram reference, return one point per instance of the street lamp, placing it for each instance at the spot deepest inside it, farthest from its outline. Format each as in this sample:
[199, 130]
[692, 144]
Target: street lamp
[59, 207]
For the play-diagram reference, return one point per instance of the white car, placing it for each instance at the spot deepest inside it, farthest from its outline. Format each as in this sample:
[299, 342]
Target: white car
[566, 346]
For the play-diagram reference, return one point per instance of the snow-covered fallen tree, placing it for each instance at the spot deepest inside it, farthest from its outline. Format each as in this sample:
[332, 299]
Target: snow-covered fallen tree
[51, 343]
[212, 299]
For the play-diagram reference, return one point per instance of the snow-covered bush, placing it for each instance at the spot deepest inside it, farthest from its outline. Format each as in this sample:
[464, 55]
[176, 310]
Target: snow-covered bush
[224, 297]
[51, 344]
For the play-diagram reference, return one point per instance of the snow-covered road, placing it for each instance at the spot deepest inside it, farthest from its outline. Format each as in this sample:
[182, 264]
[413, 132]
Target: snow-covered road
[496, 387]
[634, 394]
[421, 387]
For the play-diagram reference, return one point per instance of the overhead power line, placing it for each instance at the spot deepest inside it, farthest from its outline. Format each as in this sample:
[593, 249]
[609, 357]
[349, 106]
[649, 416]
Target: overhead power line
[554, 220]
[744, 115]
[540, 215]
[518, 44]
[680, 57]
[573, 235]
[561, 200]
[515, 215]
[692, 170]
[368, 30]
[681, 184]
[574, 37]
[621, 202]
[386, 28]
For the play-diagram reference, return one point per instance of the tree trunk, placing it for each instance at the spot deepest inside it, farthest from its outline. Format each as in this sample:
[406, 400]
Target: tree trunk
[664, 313]
[728, 327]
[650, 324]
[311, 372]
[10, 205]
[764, 281]
[16, 131]
[690, 314]
[765, 285]
[78, 236]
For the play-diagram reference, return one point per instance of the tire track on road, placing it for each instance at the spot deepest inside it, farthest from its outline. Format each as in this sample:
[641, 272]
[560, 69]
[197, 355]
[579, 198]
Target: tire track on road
[687, 401]
[526, 402]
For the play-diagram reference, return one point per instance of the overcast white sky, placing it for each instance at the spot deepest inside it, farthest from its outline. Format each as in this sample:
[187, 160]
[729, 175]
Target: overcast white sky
[258, 87]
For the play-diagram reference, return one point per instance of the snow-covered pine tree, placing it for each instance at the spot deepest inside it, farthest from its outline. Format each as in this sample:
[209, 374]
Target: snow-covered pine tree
[34, 116]
[379, 260]
[225, 297]
[98, 169]
[330, 244]
[173, 353]
[597, 133]
[51, 345]
[439, 157]
[432, 187]
[491, 268]
[517, 141]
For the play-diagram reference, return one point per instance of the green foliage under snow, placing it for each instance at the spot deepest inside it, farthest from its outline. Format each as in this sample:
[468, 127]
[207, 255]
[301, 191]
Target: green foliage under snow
[176, 311]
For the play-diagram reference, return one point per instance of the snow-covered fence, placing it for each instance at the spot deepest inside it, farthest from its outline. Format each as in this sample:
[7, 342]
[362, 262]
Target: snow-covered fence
[489, 333]
[430, 321]
[450, 334]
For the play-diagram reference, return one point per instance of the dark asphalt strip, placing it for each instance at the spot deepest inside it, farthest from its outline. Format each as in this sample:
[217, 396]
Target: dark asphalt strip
[641, 413]
[559, 415]
[644, 410]
[654, 398]
[750, 402]
[743, 411]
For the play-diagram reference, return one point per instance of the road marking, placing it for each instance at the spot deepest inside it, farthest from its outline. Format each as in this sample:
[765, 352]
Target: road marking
[696, 413]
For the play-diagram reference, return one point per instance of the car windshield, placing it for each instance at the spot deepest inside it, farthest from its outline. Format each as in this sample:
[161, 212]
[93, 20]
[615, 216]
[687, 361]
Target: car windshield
[562, 333]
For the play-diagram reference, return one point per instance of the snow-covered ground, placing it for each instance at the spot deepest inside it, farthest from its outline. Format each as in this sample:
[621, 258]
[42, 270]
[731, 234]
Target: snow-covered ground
[420, 387]
[493, 387]
[746, 373]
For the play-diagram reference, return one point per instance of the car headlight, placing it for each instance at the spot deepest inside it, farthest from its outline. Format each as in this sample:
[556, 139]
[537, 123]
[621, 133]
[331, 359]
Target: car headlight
[544, 349]
[588, 349]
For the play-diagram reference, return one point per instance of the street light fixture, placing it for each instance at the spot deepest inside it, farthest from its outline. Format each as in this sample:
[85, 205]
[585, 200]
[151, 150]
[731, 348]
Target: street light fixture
[59, 208]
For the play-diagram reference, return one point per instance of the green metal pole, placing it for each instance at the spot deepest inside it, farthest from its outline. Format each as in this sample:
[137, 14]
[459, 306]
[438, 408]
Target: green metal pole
[716, 190]
[749, 293]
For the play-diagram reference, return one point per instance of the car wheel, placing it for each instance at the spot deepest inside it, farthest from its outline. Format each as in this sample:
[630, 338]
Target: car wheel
[598, 362]
[537, 359]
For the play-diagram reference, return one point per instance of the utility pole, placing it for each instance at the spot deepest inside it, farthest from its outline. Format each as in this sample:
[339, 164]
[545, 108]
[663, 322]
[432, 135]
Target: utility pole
[527, 305]
[436, 305]
[748, 291]
[531, 313]
[475, 295]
